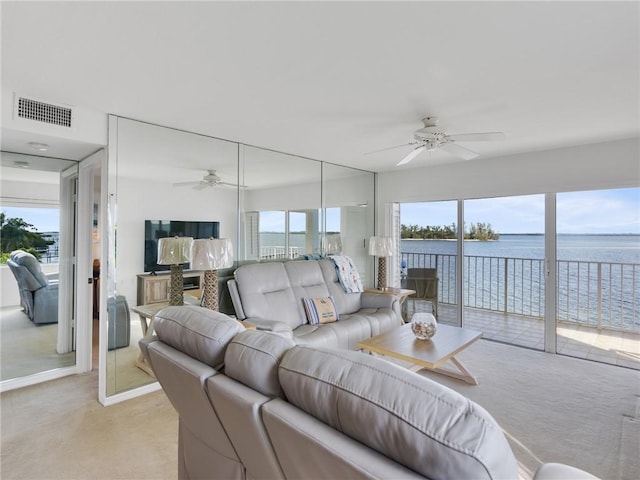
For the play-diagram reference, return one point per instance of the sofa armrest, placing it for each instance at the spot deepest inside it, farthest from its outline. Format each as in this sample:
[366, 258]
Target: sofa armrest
[559, 471]
[270, 326]
[376, 300]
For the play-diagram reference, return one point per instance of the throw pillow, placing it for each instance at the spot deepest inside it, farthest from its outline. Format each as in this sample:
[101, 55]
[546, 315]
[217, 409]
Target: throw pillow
[320, 310]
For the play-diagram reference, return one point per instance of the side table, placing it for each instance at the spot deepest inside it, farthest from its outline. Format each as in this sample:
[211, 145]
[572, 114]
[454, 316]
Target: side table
[401, 293]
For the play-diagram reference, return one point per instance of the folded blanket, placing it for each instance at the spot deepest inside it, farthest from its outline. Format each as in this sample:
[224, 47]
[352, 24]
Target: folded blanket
[347, 273]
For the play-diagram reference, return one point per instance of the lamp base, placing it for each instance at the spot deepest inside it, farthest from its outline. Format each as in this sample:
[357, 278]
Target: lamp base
[382, 273]
[176, 286]
[210, 293]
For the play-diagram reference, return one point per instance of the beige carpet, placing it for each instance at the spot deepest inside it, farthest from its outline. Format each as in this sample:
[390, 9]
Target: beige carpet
[26, 348]
[553, 409]
[58, 430]
[557, 409]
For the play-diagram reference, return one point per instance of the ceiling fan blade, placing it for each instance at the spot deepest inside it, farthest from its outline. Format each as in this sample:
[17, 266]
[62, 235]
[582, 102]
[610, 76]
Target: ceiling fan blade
[476, 137]
[202, 185]
[411, 155]
[185, 184]
[459, 151]
[233, 185]
[391, 148]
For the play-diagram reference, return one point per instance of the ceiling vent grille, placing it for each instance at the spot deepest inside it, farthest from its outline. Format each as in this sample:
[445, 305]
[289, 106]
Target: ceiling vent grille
[43, 112]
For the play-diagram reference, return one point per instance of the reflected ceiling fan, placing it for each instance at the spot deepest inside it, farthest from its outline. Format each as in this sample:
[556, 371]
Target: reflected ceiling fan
[432, 137]
[211, 179]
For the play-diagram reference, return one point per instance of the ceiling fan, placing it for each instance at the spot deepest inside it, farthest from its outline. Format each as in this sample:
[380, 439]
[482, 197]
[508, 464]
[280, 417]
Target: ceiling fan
[211, 179]
[432, 137]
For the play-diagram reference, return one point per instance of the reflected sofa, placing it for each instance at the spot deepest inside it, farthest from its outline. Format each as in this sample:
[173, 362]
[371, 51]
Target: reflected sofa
[38, 293]
[270, 295]
[253, 404]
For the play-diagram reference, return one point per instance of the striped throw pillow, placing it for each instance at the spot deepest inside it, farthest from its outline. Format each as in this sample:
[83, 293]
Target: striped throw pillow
[320, 310]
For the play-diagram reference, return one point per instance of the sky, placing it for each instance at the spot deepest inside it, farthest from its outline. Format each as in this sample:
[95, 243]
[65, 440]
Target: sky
[598, 211]
[273, 221]
[44, 219]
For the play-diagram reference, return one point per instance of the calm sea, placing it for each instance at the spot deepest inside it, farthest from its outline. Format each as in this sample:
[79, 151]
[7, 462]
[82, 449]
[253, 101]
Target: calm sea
[593, 248]
[598, 275]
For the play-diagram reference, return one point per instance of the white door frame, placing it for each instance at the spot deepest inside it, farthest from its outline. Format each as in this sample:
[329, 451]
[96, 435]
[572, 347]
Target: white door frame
[66, 268]
[89, 168]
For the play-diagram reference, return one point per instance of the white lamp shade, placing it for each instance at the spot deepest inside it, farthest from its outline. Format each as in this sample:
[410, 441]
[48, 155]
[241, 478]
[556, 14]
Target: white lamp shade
[211, 254]
[332, 243]
[174, 250]
[381, 246]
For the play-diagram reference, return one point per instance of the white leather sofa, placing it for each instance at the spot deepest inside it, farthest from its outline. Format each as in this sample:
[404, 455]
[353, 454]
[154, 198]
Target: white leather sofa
[270, 295]
[254, 404]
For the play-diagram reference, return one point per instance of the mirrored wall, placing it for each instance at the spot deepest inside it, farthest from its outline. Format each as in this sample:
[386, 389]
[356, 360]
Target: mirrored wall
[271, 205]
[36, 334]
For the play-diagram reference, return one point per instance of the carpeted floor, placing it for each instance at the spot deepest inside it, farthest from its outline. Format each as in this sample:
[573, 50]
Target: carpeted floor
[27, 348]
[552, 408]
[557, 409]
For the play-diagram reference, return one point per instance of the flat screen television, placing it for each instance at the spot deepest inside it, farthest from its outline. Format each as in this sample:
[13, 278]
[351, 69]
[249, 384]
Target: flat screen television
[156, 229]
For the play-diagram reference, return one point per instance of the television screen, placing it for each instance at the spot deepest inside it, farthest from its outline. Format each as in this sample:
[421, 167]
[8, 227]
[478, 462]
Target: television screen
[155, 229]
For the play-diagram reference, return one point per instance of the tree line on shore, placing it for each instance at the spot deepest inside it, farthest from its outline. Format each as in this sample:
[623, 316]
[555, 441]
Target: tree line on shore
[15, 234]
[476, 231]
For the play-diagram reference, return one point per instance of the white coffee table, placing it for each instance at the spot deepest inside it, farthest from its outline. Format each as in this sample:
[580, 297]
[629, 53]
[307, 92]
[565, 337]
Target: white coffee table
[448, 341]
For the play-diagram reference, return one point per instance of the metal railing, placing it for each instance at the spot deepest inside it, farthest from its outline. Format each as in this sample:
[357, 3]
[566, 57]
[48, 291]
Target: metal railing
[279, 252]
[599, 294]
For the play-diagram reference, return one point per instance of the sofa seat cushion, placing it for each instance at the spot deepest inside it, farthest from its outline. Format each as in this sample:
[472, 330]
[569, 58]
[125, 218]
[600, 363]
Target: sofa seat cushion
[267, 293]
[380, 319]
[198, 332]
[350, 330]
[426, 426]
[315, 335]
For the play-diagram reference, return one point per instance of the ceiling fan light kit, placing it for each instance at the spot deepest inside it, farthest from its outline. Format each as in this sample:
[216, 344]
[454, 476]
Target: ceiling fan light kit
[211, 179]
[431, 137]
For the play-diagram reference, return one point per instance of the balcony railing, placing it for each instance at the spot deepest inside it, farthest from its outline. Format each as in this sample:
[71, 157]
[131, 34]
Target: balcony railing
[267, 253]
[598, 294]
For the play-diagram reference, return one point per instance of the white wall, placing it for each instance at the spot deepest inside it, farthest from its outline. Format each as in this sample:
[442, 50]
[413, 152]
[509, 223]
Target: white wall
[586, 167]
[9, 294]
[138, 201]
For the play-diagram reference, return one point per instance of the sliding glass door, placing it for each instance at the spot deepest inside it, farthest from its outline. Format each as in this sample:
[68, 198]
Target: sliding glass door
[429, 258]
[504, 278]
[598, 299]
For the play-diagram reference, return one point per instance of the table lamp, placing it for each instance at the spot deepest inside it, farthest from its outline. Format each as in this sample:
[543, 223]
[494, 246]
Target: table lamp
[381, 247]
[175, 251]
[210, 255]
[332, 244]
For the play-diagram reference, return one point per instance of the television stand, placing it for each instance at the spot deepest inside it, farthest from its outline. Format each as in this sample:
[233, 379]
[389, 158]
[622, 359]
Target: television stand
[154, 287]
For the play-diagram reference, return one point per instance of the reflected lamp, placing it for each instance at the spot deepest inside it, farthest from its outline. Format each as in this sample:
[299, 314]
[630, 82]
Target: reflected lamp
[175, 251]
[210, 255]
[381, 247]
[332, 244]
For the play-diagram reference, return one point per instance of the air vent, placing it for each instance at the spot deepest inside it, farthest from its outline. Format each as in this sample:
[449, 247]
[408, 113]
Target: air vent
[43, 112]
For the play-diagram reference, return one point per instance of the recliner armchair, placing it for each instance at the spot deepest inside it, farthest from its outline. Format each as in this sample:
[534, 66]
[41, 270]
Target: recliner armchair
[38, 295]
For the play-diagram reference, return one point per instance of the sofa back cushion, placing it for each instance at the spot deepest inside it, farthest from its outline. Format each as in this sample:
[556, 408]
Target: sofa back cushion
[196, 331]
[306, 280]
[265, 292]
[346, 303]
[421, 424]
[252, 358]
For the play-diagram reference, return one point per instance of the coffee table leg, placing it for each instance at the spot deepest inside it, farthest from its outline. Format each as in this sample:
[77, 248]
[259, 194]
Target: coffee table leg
[464, 375]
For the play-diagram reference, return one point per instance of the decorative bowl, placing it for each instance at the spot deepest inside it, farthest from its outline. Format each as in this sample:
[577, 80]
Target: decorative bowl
[423, 325]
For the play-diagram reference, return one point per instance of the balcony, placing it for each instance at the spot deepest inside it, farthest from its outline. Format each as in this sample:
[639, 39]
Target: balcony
[598, 306]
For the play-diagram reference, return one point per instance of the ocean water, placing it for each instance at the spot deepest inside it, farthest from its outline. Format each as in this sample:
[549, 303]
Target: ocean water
[598, 275]
[593, 248]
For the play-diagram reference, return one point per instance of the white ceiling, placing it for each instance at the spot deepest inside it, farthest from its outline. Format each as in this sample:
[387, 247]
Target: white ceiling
[333, 80]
